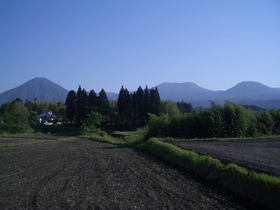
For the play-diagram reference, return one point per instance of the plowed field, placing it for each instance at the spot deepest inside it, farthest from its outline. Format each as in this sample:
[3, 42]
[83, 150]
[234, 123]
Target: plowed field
[258, 155]
[84, 174]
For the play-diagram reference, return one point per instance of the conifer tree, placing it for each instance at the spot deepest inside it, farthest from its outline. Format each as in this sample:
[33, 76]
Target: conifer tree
[70, 104]
[121, 101]
[92, 101]
[103, 103]
[146, 105]
[81, 104]
[155, 102]
[124, 105]
[137, 105]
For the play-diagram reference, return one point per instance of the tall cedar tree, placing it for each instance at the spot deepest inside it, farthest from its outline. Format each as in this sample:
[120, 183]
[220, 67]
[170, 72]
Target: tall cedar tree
[146, 105]
[70, 104]
[155, 102]
[137, 105]
[82, 105]
[124, 106]
[92, 101]
[103, 103]
[121, 101]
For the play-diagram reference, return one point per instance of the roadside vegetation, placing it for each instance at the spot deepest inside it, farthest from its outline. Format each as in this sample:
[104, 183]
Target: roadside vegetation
[118, 122]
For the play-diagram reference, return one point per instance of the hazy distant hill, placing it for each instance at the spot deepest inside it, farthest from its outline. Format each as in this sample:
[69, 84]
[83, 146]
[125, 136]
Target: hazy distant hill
[40, 88]
[250, 93]
[185, 91]
[251, 90]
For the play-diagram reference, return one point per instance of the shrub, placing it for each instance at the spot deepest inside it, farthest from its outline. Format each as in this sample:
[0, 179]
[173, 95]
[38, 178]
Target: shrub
[92, 123]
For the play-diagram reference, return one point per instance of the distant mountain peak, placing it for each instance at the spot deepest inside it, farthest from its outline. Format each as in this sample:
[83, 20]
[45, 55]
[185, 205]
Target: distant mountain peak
[39, 87]
[250, 84]
[250, 88]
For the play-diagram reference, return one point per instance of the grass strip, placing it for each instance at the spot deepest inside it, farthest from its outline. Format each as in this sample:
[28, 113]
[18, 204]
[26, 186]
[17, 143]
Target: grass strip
[260, 188]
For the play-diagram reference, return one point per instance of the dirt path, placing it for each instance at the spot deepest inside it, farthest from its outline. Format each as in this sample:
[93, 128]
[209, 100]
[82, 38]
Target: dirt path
[259, 155]
[83, 174]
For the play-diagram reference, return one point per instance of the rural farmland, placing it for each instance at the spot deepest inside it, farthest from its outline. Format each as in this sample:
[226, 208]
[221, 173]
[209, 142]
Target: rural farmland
[258, 155]
[85, 174]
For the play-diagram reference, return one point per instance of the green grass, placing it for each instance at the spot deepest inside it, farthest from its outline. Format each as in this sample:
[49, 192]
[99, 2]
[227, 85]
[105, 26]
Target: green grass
[169, 139]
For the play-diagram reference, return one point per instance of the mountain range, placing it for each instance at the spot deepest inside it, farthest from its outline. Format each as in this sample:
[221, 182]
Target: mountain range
[245, 93]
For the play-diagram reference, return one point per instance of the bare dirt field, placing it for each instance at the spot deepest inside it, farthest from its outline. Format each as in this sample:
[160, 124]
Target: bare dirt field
[84, 174]
[259, 155]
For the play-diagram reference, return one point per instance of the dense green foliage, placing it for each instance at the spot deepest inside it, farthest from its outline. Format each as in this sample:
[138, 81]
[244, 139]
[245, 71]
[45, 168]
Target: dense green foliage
[230, 120]
[13, 117]
[92, 123]
[133, 108]
[128, 112]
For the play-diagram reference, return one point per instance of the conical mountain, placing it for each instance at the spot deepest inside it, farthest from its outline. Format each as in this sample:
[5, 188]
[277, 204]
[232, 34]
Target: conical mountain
[39, 88]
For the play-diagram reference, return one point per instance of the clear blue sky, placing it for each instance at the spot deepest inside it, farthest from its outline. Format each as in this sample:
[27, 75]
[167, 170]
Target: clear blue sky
[106, 44]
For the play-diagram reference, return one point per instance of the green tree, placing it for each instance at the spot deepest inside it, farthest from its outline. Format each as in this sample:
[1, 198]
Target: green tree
[14, 117]
[70, 104]
[155, 102]
[82, 105]
[169, 107]
[92, 123]
[265, 122]
[184, 107]
[121, 104]
[252, 129]
[158, 126]
[275, 114]
[218, 123]
[104, 106]
[235, 120]
[92, 101]
[206, 121]
[137, 106]
[146, 104]
[124, 106]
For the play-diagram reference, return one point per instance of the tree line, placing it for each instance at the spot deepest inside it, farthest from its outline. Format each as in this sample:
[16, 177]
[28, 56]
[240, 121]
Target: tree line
[130, 110]
[230, 120]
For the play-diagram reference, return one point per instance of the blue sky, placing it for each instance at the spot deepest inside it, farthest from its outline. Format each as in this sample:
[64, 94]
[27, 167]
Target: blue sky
[106, 44]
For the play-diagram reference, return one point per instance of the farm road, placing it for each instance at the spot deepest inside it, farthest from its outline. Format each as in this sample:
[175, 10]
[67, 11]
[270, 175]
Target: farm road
[84, 174]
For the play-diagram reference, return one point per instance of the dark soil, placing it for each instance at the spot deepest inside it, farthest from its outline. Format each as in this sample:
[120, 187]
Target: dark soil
[258, 155]
[84, 174]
